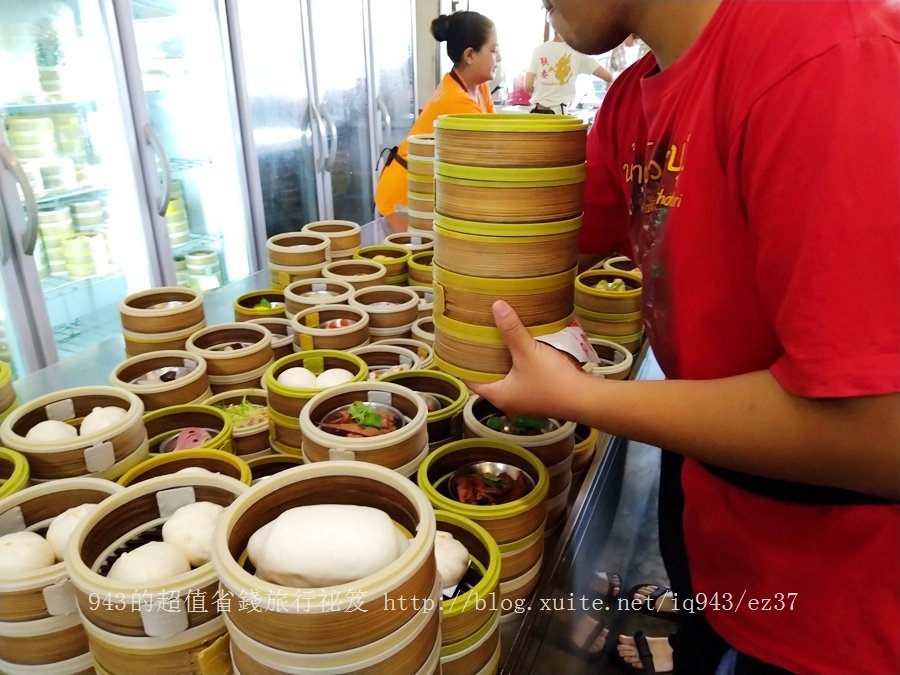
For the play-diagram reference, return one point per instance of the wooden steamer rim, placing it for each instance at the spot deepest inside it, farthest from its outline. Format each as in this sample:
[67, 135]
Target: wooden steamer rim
[245, 310]
[289, 400]
[343, 234]
[253, 395]
[293, 623]
[514, 122]
[307, 336]
[161, 394]
[404, 311]
[43, 593]
[399, 257]
[408, 240]
[294, 249]
[358, 272]
[420, 348]
[221, 462]
[380, 354]
[243, 360]
[137, 317]
[161, 423]
[294, 292]
[106, 453]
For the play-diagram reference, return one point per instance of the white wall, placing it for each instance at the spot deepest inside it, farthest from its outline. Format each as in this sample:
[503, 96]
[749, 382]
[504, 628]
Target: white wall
[426, 49]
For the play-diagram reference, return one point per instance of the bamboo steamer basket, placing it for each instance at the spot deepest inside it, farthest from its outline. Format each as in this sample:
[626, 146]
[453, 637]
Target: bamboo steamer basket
[401, 652]
[615, 361]
[517, 557]
[423, 350]
[394, 450]
[286, 434]
[192, 387]
[621, 263]
[57, 644]
[182, 610]
[145, 343]
[421, 145]
[609, 324]
[444, 424]
[263, 467]
[419, 165]
[245, 309]
[382, 334]
[518, 253]
[508, 195]
[254, 353]
[282, 335]
[419, 202]
[297, 249]
[506, 523]
[202, 650]
[249, 380]
[420, 269]
[308, 335]
[382, 359]
[139, 315]
[426, 299]
[107, 453]
[43, 593]
[478, 654]
[464, 616]
[395, 258]
[420, 221]
[468, 299]
[252, 439]
[589, 298]
[416, 242]
[421, 184]
[477, 353]
[345, 235]
[308, 293]
[170, 463]
[423, 329]
[359, 273]
[515, 593]
[551, 448]
[321, 621]
[289, 401]
[585, 446]
[387, 306]
[630, 342]
[14, 472]
[511, 140]
[281, 276]
[166, 423]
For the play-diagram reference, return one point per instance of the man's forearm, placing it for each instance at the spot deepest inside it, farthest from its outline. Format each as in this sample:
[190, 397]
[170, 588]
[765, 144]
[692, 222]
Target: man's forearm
[750, 423]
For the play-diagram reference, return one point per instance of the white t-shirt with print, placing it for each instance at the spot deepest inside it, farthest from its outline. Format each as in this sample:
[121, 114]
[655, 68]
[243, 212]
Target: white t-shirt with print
[556, 66]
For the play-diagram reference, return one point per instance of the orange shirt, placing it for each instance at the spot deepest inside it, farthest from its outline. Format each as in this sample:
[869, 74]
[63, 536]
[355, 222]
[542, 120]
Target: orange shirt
[449, 97]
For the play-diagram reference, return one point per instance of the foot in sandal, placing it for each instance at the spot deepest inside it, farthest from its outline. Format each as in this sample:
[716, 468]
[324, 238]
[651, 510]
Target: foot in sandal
[659, 648]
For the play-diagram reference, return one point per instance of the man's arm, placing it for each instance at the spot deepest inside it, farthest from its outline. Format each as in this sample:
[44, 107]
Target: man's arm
[603, 74]
[529, 82]
[747, 423]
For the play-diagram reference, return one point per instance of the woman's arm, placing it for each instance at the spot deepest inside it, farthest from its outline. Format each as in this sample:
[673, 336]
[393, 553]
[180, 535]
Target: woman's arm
[747, 423]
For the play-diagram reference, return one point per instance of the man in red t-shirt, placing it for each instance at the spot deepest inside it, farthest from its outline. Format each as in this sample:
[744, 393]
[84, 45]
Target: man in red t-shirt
[745, 163]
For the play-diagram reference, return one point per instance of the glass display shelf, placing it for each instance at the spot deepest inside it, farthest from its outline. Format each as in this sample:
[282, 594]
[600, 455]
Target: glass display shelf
[59, 283]
[47, 107]
[52, 197]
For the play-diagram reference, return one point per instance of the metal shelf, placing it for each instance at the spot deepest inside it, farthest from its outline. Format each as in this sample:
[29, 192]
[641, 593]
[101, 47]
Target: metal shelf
[57, 283]
[52, 196]
[47, 107]
[197, 240]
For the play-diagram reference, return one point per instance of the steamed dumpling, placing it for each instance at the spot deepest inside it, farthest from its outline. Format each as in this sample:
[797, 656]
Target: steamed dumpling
[62, 526]
[22, 552]
[100, 418]
[325, 545]
[149, 564]
[190, 530]
[51, 430]
[452, 558]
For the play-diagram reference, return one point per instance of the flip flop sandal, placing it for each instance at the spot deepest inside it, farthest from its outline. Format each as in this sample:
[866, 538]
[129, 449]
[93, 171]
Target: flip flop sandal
[649, 605]
[646, 656]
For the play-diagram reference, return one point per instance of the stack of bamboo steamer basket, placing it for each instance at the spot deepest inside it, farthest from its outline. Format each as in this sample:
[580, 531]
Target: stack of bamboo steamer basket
[237, 355]
[517, 526]
[294, 256]
[309, 293]
[612, 315]
[420, 182]
[362, 626]
[554, 446]
[394, 257]
[14, 472]
[106, 453]
[508, 209]
[160, 318]
[345, 236]
[189, 383]
[40, 628]
[172, 626]
[391, 309]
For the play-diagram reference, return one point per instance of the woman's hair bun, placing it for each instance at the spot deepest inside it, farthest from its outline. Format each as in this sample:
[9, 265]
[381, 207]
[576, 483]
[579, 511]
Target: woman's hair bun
[440, 28]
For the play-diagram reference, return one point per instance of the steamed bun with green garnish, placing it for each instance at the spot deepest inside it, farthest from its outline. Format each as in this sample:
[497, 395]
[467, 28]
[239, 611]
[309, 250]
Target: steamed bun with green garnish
[190, 530]
[22, 552]
[325, 545]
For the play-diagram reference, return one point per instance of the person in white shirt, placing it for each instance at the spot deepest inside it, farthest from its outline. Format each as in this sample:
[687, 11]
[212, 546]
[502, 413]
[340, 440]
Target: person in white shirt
[551, 75]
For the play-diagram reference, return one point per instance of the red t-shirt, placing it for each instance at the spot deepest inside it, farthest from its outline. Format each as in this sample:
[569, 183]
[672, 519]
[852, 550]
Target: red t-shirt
[759, 180]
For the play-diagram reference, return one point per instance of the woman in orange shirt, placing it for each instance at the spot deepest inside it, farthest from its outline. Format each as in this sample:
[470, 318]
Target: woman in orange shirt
[472, 46]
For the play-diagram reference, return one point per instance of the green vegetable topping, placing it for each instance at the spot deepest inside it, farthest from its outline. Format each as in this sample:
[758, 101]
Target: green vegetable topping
[364, 416]
[263, 304]
[497, 422]
[493, 480]
[528, 423]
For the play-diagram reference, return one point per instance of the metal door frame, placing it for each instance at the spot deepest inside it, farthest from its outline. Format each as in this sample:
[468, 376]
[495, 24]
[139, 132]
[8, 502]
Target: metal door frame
[319, 137]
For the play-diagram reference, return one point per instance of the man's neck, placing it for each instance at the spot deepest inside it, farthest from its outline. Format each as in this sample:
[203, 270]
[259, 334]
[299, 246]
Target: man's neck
[670, 28]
